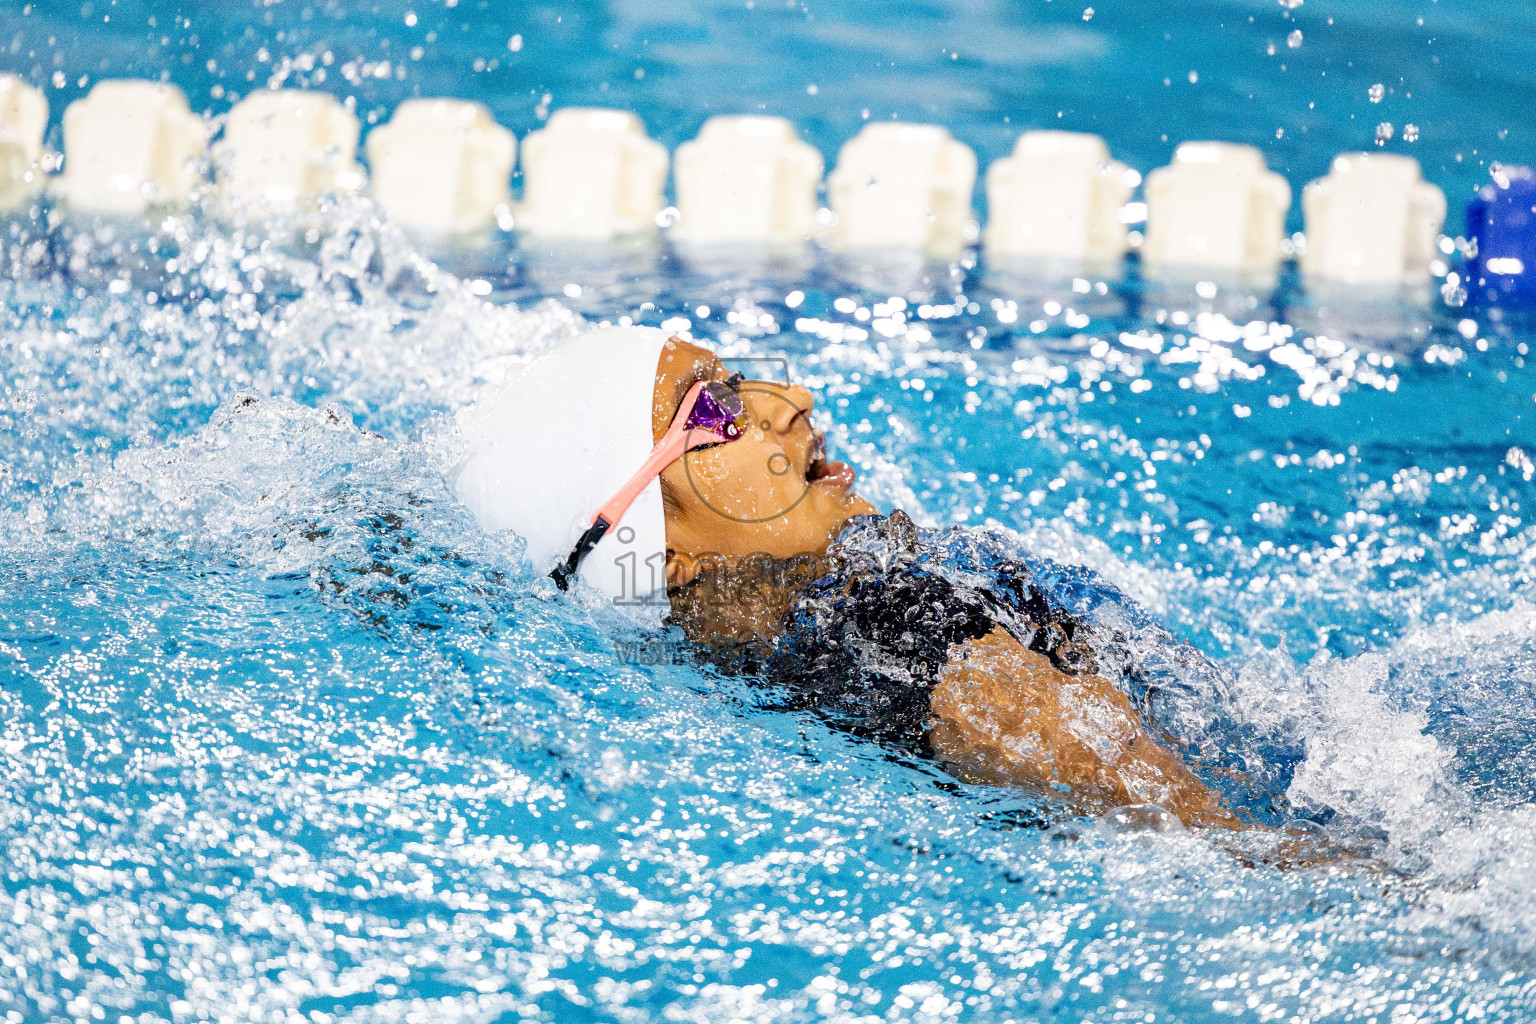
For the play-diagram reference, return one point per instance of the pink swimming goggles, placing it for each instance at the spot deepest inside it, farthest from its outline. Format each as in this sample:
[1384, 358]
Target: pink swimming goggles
[711, 413]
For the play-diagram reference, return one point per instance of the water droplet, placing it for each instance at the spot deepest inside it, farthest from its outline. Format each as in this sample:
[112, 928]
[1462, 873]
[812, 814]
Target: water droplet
[1294, 39]
[1384, 133]
[1088, 14]
[1410, 133]
[1376, 92]
[1291, 5]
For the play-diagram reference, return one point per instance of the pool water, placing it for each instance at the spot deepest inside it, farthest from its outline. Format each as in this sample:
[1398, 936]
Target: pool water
[287, 737]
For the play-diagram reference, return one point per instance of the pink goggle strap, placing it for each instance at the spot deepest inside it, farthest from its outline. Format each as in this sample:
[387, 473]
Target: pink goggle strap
[674, 444]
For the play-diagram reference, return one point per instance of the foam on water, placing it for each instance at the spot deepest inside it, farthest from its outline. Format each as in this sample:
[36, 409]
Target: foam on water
[286, 736]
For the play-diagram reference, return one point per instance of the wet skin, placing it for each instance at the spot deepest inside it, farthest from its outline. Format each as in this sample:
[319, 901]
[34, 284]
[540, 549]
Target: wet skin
[1002, 713]
[769, 492]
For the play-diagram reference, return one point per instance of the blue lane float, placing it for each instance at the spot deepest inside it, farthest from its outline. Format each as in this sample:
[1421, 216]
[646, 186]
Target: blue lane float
[1501, 223]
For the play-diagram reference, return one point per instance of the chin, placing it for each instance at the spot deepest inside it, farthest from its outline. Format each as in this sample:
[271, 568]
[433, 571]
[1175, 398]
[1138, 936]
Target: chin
[837, 509]
[855, 505]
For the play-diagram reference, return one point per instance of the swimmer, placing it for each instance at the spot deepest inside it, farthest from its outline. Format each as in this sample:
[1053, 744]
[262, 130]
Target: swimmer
[638, 467]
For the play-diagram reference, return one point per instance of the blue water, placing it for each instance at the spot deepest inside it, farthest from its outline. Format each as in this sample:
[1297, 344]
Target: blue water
[286, 736]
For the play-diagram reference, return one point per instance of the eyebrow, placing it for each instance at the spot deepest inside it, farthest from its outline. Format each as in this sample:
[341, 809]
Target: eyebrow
[702, 371]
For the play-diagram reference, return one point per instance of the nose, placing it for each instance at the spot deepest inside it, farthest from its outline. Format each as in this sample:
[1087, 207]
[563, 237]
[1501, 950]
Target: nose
[777, 405]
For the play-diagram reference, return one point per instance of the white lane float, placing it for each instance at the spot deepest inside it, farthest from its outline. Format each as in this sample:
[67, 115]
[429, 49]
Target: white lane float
[1218, 210]
[747, 179]
[1058, 198]
[905, 187]
[443, 166]
[1372, 222]
[130, 145]
[282, 148]
[23, 119]
[591, 175]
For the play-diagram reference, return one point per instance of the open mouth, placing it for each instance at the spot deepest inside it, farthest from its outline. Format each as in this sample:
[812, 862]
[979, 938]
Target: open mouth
[821, 470]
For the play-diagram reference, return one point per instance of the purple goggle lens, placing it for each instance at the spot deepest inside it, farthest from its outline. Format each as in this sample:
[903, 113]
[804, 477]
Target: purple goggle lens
[720, 410]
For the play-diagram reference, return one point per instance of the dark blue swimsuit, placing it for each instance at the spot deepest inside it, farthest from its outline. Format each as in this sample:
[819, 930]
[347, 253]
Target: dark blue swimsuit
[864, 644]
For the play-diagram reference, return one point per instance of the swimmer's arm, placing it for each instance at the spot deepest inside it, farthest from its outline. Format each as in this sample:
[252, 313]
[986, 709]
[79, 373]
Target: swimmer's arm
[1005, 714]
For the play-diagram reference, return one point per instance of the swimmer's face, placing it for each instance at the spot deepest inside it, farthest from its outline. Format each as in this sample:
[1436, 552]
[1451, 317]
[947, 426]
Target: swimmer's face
[772, 491]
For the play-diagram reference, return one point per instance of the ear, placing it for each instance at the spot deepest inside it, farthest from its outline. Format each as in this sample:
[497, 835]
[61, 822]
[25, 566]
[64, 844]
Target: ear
[682, 569]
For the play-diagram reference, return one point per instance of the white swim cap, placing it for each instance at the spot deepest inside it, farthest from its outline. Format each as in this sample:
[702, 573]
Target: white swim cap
[550, 446]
